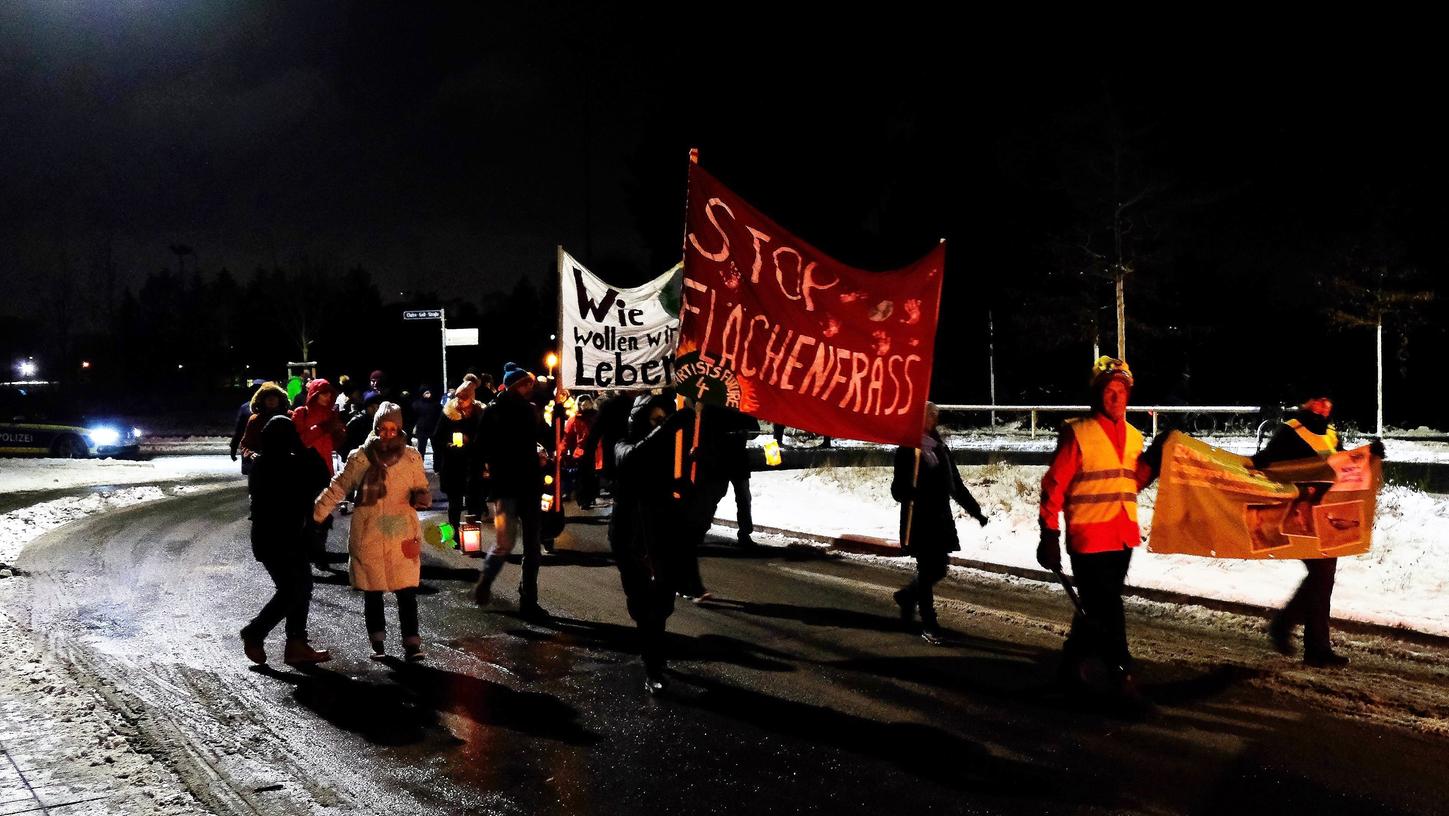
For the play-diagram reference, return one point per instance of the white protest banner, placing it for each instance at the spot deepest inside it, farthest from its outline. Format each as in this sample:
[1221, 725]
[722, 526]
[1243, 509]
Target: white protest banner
[616, 338]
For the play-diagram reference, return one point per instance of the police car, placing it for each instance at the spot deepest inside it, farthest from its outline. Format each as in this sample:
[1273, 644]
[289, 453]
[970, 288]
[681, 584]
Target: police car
[34, 422]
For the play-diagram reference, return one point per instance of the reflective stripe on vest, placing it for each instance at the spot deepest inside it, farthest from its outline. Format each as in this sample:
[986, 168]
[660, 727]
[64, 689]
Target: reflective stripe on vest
[1322, 444]
[1106, 484]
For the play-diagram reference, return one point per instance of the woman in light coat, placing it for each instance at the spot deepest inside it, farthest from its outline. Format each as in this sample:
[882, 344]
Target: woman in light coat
[385, 543]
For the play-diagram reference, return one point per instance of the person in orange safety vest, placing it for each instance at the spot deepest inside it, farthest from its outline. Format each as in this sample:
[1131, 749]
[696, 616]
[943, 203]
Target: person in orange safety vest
[1095, 474]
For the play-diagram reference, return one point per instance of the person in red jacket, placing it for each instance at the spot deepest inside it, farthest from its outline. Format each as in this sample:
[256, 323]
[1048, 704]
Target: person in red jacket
[1095, 475]
[320, 426]
[318, 421]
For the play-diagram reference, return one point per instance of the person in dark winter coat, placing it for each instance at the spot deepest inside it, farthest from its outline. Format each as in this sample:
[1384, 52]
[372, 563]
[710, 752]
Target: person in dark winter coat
[1305, 434]
[649, 522]
[243, 413]
[609, 428]
[456, 453]
[377, 384]
[724, 462]
[427, 411]
[268, 401]
[928, 529]
[360, 425]
[285, 479]
[512, 437]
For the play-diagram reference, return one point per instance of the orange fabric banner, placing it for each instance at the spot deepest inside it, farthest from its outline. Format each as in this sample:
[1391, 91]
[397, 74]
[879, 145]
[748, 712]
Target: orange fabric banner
[1213, 503]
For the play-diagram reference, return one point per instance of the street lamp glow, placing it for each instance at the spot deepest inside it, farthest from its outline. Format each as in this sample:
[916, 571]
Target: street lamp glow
[26, 368]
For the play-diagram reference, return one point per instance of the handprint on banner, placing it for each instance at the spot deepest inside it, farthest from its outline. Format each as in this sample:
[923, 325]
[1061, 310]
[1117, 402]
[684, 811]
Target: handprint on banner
[882, 342]
[913, 312]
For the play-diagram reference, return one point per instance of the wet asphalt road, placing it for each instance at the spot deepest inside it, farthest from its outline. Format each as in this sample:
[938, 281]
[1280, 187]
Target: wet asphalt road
[796, 692]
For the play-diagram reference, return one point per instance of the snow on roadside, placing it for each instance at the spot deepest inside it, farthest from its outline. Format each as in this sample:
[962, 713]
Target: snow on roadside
[1401, 582]
[1398, 450]
[19, 527]
[17, 475]
[183, 445]
[74, 751]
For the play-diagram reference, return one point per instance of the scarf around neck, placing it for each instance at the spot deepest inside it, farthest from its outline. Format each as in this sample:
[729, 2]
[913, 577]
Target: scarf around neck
[381, 454]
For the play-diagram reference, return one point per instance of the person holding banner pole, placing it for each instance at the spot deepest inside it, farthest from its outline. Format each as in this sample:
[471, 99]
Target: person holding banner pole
[649, 523]
[1308, 433]
[1094, 477]
[926, 480]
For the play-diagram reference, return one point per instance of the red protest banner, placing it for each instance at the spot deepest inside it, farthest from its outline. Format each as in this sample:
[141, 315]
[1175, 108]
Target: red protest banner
[775, 328]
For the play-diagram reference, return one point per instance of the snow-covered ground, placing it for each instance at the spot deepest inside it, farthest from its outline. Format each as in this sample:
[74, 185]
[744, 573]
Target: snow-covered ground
[18, 475]
[1403, 581]
[1018, 440]
[65, 749]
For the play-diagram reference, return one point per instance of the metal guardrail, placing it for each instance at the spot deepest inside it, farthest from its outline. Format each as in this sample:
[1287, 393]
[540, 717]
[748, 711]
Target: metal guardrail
[1153, 410]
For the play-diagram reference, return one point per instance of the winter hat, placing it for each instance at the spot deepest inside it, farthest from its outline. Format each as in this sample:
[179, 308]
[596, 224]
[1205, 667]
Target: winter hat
[269, 388]
[514, 373]
[1108, 368]
[316, 387]
[377, 375]
[387, 412]
[279, 436]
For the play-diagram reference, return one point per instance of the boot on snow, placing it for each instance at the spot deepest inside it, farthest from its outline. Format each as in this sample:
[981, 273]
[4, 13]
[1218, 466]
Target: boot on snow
[300, 653]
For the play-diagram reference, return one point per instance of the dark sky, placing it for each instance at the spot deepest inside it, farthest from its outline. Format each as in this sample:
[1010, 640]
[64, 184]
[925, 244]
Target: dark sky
[449, 147]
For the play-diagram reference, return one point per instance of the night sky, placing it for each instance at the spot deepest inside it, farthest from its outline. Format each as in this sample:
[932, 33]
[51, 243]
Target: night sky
[449, 147]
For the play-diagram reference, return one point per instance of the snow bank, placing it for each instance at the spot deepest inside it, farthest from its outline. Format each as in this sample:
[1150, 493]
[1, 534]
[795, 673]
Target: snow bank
[17, 475]
[1400, 582]
[1398, 450]
[19, 527]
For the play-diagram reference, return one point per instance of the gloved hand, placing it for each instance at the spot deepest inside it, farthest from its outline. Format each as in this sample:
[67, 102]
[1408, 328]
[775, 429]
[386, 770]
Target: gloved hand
[681, 418]
[982, 518]
[1049, 551]
[1376, 447]
[233, 456]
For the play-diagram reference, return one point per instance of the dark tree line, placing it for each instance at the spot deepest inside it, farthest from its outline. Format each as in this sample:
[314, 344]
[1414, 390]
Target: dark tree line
[192, 340]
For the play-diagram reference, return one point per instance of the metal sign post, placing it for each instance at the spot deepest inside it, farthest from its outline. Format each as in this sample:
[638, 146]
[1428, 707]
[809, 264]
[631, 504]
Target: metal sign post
[442, 318]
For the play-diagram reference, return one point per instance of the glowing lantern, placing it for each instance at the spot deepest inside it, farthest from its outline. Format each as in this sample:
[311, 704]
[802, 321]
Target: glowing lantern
[457, 439]
[471, 535]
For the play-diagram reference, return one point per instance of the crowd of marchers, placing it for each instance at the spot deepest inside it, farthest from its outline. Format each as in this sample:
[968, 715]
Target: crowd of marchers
[663, 465]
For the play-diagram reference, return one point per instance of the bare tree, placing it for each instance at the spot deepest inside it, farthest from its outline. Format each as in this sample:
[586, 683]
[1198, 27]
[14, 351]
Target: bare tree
[1375, 283]
[1111, 187]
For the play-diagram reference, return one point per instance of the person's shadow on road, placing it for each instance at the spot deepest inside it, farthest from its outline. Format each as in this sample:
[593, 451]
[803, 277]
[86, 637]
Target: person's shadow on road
[919, 749]
[406, 711]
[613, 637]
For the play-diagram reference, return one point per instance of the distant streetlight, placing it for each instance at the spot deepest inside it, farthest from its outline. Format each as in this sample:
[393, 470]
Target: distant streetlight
[85, 363]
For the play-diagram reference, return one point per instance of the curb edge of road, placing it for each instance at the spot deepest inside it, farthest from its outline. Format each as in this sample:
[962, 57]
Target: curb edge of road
[869, 545]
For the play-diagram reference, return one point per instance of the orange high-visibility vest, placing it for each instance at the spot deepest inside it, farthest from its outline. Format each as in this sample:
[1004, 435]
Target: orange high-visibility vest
[1322, 444]
[1107, 484]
